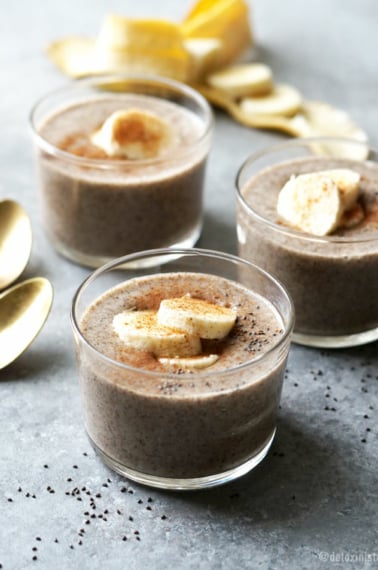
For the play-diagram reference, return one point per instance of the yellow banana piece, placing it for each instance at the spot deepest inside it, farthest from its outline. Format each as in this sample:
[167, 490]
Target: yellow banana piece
[197, 317]
[141, 330]
[134, 134]
[190, 362]
[311, 203]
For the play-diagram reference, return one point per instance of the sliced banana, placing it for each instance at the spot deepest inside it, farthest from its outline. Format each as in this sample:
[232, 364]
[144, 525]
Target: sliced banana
[284, 100]
[191, 362]
[141, 330]
[134, 134]
[311, 203]
[197, 317]
[317, 118]
[348, 182]
[224, 101]
[243, 80]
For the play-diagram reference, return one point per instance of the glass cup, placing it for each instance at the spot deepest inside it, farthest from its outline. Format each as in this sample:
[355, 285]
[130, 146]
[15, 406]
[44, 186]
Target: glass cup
[95, 208]
[177, 430]
[333, 279]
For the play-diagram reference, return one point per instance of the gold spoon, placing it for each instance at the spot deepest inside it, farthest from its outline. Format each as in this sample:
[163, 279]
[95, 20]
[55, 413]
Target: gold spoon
[15, 241]
[23, 311]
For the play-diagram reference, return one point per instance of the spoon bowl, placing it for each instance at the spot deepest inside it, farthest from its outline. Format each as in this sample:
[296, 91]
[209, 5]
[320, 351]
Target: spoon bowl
[24, 309]
[15, 241]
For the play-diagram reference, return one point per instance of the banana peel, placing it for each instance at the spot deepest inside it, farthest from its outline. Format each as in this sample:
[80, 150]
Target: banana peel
[185, 51]
[74, 56]
[227, 20]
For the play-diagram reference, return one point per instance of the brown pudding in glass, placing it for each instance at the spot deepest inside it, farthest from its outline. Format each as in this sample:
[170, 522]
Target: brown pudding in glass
[333, 280]
[96, 207]
[187, 423]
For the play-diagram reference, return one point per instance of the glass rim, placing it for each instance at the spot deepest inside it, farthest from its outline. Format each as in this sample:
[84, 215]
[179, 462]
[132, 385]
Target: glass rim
[290, 232]
[288, 328]
[147, 79]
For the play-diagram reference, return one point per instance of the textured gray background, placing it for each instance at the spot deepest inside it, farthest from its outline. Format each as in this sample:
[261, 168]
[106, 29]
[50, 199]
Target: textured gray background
[313, 501]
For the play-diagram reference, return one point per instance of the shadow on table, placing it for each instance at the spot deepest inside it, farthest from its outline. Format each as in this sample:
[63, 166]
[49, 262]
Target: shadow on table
[217, 235]
[298, 475]
[34, 363]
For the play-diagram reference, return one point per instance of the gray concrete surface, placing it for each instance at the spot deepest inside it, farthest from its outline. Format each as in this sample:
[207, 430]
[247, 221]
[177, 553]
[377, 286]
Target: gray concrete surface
[313, 502]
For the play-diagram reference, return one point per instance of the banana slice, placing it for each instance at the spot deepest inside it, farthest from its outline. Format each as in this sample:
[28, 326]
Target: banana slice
[197, 317]
[284, 100]
[311, 203]
[243, 80]
[320, 119]
[133, 134]
[347, 181]
[141, 330]
[191, 362]
[221, 99]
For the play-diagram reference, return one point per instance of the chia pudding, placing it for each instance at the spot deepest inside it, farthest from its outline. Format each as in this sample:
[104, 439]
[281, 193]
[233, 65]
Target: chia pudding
[182, 424]
[97, 207]
[332, 280]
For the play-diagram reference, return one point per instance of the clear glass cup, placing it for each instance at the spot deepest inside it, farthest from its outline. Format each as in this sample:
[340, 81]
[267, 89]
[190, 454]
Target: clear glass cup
[174, 430]
[333, 279]
[95, 209]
